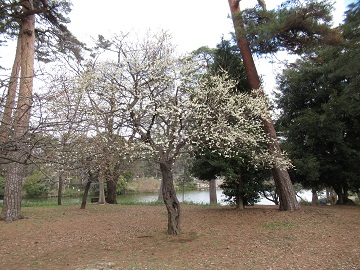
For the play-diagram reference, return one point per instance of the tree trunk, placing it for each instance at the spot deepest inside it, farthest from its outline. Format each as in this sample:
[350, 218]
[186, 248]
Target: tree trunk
[281, 176]
[314, 198]
[212, 190]
[85, 195]
[342, 194]
[11, 210]
[10, 97]
[101, 189]
[171, 202]
[330, 196]
[240, 194]
[14, 171]
[60, 188]
[111, 192]
[160, 196]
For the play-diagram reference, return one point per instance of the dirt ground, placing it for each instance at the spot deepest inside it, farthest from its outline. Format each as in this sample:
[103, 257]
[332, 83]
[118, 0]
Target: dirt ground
[213, 237]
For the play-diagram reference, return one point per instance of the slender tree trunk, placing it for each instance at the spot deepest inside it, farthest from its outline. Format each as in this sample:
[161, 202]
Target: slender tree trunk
[212, 190]
[314, 198]
[60, 188]
[10, 97]
[14, 172]
[101, 188]
[240, 194]
[281, 176]
[85, 195]
[171, 202]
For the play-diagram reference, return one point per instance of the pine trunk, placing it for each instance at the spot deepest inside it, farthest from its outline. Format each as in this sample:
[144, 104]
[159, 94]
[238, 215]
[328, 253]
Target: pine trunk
[281, 176]
[171, 202]
[212, 189]
[10, 97]
[11, 210]
[14, 172]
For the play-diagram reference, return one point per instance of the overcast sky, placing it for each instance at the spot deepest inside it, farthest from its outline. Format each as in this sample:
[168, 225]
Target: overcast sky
[192, 23]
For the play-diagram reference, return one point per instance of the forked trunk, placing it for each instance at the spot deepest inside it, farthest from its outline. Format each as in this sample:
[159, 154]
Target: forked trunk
[212, 190]
[171, 202]
[281, 176]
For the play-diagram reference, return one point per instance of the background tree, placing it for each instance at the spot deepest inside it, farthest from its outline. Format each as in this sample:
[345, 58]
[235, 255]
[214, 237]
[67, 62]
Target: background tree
[236, 170]
[319, 101]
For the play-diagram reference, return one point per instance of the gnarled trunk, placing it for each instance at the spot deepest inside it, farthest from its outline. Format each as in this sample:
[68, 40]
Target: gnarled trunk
[212, 190]
[171, 202]
[281, 176]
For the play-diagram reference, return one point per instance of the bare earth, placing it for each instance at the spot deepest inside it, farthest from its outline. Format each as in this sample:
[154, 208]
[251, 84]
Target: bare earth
[134, 237]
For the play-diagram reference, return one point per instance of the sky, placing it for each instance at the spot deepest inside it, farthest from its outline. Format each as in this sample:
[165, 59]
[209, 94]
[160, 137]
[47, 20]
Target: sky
[192, 23]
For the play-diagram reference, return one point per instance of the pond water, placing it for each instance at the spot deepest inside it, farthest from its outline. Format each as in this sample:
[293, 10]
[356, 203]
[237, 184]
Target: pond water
[192, 196]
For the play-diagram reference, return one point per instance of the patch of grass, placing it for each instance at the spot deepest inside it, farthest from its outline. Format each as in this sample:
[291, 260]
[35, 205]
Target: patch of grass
[141, 203]
[279, 225]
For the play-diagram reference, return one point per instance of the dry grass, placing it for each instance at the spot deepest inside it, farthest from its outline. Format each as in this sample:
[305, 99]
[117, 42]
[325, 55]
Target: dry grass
[133, 237]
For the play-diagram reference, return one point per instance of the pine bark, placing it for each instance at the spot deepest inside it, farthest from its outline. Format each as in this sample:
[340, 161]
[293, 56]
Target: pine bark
[11, 210]
[171, 202]
[281, 176]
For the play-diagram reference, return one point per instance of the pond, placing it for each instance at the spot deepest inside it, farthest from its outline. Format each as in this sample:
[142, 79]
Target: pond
[190, 196]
